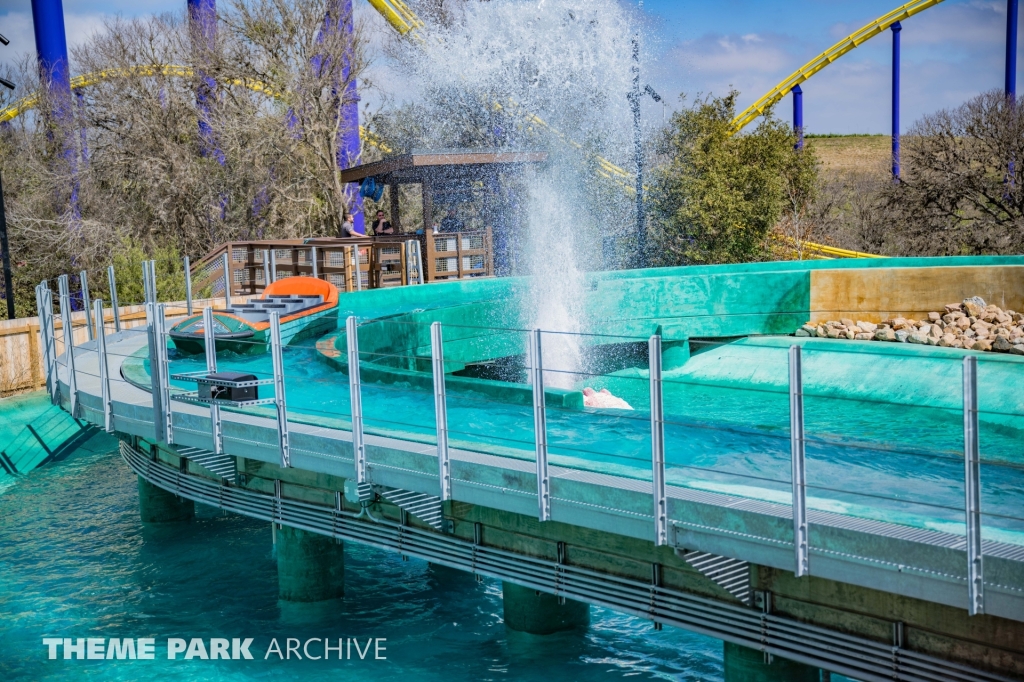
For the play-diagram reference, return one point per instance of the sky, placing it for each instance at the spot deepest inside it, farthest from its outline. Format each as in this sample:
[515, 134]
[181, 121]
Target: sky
[950, 52]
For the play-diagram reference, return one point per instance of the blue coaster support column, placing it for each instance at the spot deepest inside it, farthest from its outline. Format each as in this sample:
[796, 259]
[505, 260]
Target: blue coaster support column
[896, 29]
[798, 116]
[202, 16]
[1010, 85]
[55, 74]
[1012, 13]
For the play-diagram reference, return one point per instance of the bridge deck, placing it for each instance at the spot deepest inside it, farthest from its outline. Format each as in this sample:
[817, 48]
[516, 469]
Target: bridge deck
[913, 562]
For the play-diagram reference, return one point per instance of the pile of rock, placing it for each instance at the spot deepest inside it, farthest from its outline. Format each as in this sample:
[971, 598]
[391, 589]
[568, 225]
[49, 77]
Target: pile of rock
[971, 325]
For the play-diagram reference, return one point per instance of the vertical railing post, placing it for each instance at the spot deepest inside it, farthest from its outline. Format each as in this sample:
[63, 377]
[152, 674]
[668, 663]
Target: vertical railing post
[147, 296]
[226, 265]
[112, 282]
[972, 489]
[50, 347]
[42, 332]
[83, 279]
[152, 281]
[42, 325]
[101, 356]
[277, 355]
[357, 268]
[210, 345]
[658, 443]
[69, 342]
[540, 426]
[356, 398]
[188, 286]
[797, 453]
[312, 259]
[165, 373]
[155, 371]
[440, 410]
[266, 267]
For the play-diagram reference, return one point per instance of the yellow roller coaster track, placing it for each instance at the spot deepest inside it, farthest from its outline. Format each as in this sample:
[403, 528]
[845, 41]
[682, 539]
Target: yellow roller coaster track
[847, 44]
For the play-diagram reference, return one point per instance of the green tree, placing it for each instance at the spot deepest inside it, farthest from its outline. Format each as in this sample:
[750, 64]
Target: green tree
[718, 195]
[170, 273]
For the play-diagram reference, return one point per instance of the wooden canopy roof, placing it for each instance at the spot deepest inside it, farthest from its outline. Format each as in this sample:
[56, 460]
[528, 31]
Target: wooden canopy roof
[457, 165]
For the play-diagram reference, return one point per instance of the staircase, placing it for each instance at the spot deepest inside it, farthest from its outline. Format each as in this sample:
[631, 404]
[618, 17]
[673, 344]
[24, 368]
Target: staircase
[49, 437]
[225, 466]
[732, 575]
[426, 508]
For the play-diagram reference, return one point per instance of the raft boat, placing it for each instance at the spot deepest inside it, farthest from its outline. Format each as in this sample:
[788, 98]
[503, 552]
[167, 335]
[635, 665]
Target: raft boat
[308, 308]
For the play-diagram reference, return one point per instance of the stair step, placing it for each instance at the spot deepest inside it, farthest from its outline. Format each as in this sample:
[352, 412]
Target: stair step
[732, 575]
[426, 508]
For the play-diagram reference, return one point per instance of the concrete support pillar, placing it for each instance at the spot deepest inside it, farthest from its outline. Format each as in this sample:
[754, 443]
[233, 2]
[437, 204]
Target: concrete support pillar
[539, 613]
[310, 567]
[743, 664]
[156, 505]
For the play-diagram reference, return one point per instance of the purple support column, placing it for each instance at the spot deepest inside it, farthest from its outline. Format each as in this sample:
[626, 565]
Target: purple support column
[52, 48]
[896, 28]
[348, 134]
[1011, 73]
[1011, 49]
[798, 116]
[202, 16]
[55, 73]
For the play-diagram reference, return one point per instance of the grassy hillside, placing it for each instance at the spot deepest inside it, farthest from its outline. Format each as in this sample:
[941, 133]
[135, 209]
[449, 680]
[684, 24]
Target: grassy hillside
[853, 154]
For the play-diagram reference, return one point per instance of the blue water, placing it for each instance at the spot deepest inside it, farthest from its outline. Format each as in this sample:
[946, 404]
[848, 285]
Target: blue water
[901, 464]
[75, 562]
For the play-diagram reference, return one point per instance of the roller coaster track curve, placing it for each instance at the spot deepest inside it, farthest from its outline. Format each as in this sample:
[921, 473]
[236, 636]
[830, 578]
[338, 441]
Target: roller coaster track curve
[847, 44]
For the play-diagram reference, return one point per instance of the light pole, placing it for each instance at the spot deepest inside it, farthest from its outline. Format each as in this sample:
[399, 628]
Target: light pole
[5, 249]
[635, 95]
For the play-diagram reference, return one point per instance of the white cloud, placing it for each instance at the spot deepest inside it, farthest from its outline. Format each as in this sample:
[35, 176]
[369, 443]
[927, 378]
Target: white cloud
[950, 53]
[17, 27]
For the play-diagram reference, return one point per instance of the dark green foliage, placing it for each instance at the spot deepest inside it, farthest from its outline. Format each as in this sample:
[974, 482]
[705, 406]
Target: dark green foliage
[718, 195]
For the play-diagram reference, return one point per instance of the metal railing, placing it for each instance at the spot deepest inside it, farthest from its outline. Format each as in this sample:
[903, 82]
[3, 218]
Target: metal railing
[350, 264]
[543, 402]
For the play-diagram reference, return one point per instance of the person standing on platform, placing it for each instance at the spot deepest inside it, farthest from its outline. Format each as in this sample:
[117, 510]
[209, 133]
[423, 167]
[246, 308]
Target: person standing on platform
[348, 227]
[381, 226]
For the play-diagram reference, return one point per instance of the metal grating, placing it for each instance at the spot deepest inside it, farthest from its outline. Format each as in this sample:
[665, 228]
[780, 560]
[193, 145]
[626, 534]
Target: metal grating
[426, 508]
[472, 262]
[857, 657]
[732, 575]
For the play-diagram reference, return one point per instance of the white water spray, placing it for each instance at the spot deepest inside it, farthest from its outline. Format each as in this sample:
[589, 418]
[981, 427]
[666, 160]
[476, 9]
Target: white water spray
[560, 72]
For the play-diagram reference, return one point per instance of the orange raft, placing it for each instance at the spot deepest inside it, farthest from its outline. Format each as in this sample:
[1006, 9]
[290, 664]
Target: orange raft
[308, 308]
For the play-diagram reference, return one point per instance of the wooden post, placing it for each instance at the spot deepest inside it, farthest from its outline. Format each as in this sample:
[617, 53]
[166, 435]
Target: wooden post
[428, 206]
[458, 253]
[229, 285]
[489, 250]
[393, 196]
[405, 263]
[430, 258]
[349, 282]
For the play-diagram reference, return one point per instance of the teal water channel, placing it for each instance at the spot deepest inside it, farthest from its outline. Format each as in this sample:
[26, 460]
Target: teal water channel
[76, 562]
[866, 457]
